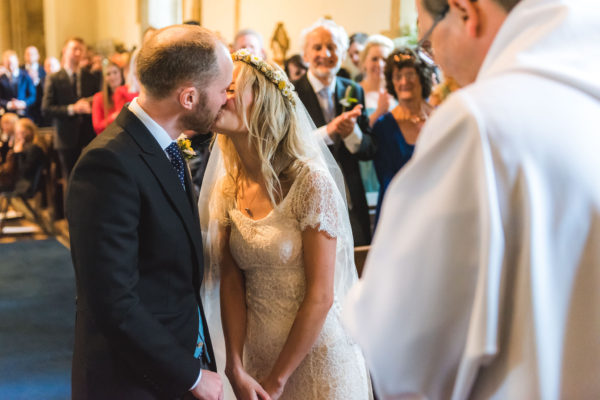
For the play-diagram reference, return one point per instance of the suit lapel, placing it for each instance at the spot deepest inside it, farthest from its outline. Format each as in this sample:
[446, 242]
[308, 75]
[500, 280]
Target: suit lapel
[68, 95]
[311, 102]
[340, 93]
[165, 174]
[193, 200]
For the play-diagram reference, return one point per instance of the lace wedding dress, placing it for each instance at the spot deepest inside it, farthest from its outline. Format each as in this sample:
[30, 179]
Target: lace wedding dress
[269, 252]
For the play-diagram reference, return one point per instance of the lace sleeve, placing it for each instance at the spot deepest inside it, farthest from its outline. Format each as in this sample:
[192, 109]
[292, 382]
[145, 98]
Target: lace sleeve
[317, 203]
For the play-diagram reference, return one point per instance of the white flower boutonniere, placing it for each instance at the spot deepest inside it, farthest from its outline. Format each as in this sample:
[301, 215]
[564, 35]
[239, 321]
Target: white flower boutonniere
[348, 101]
[185, 145]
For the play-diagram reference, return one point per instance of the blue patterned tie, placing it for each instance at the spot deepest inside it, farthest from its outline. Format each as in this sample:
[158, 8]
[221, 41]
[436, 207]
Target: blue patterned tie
[177, 161]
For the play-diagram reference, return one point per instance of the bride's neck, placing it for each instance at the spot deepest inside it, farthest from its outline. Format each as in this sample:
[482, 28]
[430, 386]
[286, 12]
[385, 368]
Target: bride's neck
[251, 164]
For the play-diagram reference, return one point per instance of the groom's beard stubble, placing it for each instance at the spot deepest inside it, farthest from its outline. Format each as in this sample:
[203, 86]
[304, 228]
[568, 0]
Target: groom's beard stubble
[200, 119]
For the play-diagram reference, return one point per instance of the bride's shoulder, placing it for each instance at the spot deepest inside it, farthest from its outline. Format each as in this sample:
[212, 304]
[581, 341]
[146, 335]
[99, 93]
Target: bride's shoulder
[312, 180]
[316, 201]
[311, 172]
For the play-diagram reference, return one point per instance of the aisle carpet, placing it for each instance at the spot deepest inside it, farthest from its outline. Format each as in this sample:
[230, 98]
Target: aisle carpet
[37, 311]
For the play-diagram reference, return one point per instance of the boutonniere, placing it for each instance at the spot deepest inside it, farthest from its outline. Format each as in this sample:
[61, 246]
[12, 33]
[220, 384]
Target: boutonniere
[185, 145]
[348, 101]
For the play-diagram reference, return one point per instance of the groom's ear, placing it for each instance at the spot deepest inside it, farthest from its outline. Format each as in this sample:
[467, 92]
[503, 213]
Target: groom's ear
[188, 96]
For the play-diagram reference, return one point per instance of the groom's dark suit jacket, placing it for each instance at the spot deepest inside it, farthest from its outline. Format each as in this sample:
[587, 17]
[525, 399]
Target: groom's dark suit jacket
[348, 162]
[137, 250]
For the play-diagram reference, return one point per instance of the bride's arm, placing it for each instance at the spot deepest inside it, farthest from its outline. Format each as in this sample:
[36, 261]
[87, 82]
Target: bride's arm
[319, 264]
[233, 305]
[233, 315]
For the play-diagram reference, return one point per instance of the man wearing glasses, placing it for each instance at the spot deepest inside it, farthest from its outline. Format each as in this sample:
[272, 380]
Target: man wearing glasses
[483, 279]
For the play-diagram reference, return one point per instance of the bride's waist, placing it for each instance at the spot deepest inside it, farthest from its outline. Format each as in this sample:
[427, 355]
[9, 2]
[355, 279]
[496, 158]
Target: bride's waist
[283, 276]
[274, 290]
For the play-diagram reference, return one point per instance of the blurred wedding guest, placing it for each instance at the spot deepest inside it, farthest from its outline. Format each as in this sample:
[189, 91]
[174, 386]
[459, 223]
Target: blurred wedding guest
[408, 80]
[7, 136]
[351, 64]
[295, 67]
[67, 100]
[251, 40]
[336, 106]
[483, 280]
[17, 91]
[377, 100]
[104, 110]
[38, 75]
[91, 61]
[51, 65]
[17, 174]
[131, 88]
[32, 65]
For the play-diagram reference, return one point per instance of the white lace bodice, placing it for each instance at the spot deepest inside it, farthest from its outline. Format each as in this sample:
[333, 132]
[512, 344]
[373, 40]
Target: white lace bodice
[269, 252]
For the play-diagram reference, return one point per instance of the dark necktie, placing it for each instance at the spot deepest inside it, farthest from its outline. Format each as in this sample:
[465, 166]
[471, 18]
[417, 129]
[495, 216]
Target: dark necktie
[179, 165]
[177, 161]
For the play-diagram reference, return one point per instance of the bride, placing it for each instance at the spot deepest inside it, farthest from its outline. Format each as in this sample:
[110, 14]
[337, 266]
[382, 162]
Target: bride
[280, 247]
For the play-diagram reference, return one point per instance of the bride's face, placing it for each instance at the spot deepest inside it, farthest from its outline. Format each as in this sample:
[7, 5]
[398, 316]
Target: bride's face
[230, 120]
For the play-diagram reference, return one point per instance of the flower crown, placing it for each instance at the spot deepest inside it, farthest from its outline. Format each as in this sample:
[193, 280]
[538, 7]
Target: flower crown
[275, 76]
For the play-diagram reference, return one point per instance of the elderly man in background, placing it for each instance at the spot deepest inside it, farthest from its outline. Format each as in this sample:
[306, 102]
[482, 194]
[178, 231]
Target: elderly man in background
[483, 280]
[251, 40]
[337, 107]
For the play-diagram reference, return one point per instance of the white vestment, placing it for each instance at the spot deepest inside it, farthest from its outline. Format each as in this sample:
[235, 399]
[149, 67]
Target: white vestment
[483, 280]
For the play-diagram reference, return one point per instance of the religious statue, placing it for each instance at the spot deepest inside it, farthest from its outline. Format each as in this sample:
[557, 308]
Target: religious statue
[280, 43]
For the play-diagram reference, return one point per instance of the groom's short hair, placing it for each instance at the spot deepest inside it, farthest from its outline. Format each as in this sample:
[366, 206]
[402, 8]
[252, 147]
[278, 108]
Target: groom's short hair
[176, 55]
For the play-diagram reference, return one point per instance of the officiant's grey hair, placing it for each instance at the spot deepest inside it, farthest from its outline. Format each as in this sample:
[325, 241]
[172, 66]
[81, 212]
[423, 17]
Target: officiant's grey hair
[177, 55]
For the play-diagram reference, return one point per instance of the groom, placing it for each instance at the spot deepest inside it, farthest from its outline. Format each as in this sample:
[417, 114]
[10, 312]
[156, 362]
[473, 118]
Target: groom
[140, 331]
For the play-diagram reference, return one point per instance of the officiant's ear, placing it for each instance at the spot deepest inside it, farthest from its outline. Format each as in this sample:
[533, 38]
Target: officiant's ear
[188, 96]
[469, 12]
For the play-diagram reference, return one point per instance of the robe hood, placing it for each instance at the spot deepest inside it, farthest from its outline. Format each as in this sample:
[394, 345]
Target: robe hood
[556, 39]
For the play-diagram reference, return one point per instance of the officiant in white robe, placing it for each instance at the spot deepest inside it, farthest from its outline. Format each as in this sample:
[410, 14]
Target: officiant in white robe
[483, 280]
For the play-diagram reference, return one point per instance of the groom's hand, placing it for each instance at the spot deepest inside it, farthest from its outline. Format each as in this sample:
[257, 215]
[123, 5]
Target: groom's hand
[210, 386]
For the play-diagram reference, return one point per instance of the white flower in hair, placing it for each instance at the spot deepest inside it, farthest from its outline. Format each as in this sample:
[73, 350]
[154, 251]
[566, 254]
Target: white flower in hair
[243, 53]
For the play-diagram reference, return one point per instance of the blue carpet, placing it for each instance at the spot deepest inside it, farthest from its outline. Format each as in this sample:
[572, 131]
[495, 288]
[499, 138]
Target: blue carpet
[37, 312]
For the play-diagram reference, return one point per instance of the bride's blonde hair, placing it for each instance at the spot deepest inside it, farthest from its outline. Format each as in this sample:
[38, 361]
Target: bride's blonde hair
[273, 133]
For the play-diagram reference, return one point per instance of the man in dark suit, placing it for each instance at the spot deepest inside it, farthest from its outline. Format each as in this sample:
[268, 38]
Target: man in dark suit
[336, 106]
[38, 75]
[140, 330]
[67, 100]
[17, 92]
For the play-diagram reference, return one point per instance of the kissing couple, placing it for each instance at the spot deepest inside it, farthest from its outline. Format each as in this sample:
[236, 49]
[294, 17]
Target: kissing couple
[270, 237]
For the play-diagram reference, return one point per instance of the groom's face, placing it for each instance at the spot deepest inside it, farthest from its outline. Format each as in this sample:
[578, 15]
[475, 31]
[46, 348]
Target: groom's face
[211, 97]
